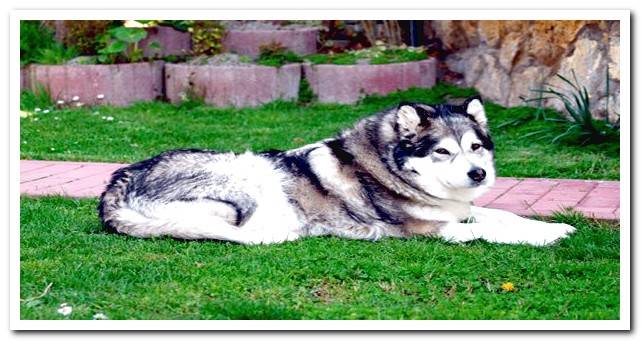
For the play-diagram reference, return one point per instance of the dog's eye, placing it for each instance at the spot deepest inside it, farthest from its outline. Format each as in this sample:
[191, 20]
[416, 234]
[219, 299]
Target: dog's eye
[442, 151]
[475, 146]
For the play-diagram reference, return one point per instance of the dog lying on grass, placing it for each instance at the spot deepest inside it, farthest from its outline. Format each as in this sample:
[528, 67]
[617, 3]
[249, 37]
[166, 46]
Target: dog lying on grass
[411, 170]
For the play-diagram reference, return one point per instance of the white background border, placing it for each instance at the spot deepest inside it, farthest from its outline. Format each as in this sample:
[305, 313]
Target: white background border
[327, 325]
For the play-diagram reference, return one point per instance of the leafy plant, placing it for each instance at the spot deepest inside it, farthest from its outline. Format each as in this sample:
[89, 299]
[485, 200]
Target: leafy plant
[122, 45]
[578, 123]
[275, 54]
[207, 37]
[84, 35]
[305, 93]
[34, 37]
[180, 25]
[39, 98]
[56, 54]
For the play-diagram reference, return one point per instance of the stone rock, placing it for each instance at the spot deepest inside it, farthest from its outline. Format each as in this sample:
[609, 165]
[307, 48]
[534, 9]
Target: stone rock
[493, 83]
[490, 32]
[509, 49]
[614, 53]
[456, 34]
[588, 62]
[474, 68]
[524, 82]
[608, 106]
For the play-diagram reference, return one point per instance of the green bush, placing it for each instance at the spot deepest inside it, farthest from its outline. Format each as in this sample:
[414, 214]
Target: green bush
[578, 122]
[207, 37]
[85, 35]
[373, 55]
[274, 54]
[34, 37]
[121, 45]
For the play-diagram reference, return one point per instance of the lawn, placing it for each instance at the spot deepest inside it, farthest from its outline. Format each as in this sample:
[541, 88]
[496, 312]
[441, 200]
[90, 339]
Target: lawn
[143, 130]
[315, 278]
[63, 243]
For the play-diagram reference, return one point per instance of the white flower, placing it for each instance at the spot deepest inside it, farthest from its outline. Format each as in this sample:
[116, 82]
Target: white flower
[46, 111]
[75, 98]
[79, 104]
[53, 149]
[37, 110]
[134, 23]
[35, 119]
[56, 118]
[103, 117]
[60, 102]
[65, 309]
[109, 118]
[100, 316]
[100, 96]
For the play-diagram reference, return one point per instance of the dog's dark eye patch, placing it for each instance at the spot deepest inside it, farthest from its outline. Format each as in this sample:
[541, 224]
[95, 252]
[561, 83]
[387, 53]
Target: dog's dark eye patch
[424, 147]
[486, 140]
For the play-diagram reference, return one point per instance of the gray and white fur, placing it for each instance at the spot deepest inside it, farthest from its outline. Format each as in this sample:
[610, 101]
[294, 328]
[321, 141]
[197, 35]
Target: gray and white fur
[411, 170]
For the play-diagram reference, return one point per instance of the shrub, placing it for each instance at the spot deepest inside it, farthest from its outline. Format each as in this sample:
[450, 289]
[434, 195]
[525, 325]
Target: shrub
[578, 122]
[274, 54]
[305, 93]
[85, 35]
[207, 37]
[56, 54]
[121, 45]
[34, 37]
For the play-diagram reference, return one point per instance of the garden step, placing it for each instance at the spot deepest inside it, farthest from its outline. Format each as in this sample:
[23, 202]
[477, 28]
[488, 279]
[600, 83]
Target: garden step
[529, 196]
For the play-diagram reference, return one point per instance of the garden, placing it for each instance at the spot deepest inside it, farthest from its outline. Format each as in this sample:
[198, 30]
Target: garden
[120, 92]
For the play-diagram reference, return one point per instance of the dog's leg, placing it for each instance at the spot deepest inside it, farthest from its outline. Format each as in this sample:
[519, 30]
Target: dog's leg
[508, 227]
[505, 227]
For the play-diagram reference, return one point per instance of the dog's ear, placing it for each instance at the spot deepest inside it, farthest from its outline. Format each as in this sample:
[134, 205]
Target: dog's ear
[474, 107]
[412, 117]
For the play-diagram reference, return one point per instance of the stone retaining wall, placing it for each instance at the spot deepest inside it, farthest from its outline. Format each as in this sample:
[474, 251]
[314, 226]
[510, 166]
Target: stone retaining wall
[237, 86]
[118, 84]
[301, 41]
[172, 42]
[348, 83]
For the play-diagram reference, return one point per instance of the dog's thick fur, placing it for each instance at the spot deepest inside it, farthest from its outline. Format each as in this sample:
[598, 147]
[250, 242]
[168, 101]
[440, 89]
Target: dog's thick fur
[410, 170]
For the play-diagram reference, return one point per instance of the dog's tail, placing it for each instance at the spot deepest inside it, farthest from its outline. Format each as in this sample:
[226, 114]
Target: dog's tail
[113, 199]
[184, 220]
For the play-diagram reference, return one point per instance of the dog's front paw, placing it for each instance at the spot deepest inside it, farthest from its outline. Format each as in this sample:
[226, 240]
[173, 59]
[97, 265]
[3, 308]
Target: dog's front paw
[543, 234]
[529, 232]
[553, 232]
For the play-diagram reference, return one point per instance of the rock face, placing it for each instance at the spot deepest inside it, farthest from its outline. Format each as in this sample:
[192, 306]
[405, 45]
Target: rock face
[505, 59]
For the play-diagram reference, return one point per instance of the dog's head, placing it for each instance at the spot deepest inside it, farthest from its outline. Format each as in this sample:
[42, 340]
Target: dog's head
[444, 149]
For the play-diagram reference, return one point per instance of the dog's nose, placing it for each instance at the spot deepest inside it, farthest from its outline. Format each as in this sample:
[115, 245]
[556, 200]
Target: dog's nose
[477, 174]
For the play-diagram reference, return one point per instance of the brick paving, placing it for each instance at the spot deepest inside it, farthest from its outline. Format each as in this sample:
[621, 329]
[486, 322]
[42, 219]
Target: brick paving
[529, 196]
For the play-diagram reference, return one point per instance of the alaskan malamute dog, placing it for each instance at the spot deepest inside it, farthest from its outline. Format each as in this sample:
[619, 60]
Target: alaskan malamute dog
[410, 170]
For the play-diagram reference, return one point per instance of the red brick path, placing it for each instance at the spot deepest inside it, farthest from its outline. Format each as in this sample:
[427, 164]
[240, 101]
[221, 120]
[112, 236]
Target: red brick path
[597, 199]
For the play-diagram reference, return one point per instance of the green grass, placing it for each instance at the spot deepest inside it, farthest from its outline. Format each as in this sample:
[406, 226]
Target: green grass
[374, 55]
[314, 278]
[145, 129]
